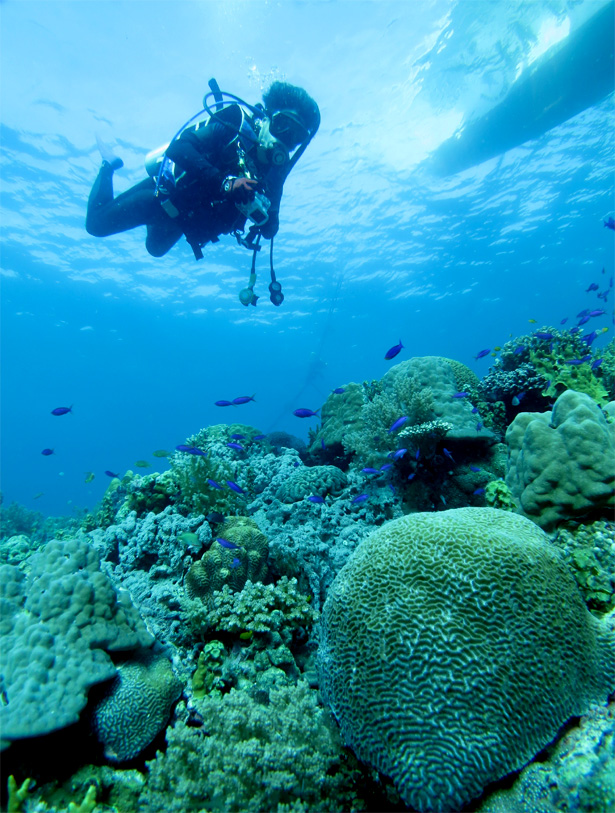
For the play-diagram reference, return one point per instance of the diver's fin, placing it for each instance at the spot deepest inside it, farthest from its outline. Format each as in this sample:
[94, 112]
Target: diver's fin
[107, 154]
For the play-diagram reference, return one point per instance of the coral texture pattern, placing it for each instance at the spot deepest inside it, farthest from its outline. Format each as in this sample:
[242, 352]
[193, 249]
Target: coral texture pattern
[454, 645]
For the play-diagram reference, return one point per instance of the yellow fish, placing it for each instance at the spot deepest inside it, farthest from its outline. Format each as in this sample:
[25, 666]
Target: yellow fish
[245, 636]
[89, 476]
[142, 464]
[532, 321]
[161, 453]
[497, 347]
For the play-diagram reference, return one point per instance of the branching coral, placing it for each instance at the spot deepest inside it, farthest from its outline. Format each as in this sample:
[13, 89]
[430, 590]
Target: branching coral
[261, 608]
[278, 756]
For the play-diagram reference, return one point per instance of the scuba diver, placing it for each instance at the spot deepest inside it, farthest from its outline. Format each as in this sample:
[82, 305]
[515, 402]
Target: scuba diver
[213, 177]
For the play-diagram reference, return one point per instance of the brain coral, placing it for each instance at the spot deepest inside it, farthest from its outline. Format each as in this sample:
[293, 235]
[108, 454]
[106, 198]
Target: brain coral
[453, 647]
[218, 567]
[312, 480]
[136, 707]
[560, 463]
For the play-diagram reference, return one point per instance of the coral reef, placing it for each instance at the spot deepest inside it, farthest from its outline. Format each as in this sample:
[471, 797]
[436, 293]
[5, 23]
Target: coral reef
[414, 665]
[561, 462]
[59, 621]
[280, 754]
[577, 776]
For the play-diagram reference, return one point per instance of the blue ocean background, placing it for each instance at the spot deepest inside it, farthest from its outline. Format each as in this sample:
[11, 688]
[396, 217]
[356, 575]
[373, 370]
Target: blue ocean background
[373, 247]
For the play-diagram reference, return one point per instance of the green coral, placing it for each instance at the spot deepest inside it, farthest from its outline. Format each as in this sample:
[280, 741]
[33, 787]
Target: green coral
[550, 358]
[279, 755]
[499, 495]
[261, 608]
[590, 552]
[208, 673]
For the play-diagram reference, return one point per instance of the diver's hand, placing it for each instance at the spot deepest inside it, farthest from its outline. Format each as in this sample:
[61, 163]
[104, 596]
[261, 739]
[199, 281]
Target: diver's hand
[242, 190]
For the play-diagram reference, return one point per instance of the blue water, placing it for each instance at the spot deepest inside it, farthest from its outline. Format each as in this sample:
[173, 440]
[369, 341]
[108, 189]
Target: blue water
[372, 247]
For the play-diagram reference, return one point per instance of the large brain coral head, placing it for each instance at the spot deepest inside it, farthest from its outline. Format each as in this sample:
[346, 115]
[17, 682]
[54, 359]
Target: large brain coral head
[453, 647]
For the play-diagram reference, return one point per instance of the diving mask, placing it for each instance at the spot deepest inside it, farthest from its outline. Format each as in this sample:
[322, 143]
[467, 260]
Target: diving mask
[286, 126]
[270, 150]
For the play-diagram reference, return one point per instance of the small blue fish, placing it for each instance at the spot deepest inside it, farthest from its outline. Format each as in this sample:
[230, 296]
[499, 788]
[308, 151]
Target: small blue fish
[591, 337]
[399, 422]
[259, 437]
[474, 468]
[482, 354]
[316, 498]
[543, 336]
[47, 452]
[213, 483]
[417, 454]
[237, 446]
[338, 390]
[412, 476]
[597, 312]
[237, 436]
[223, 403]
[242, 399]
[235, 563]
[593, 286]
[448, 454]
[322, 444]
[564, 320]
[62, 410]
[584, 320]
[574, 330]
[576, 362]
[111, 474]
[393, 351]
[191, 450]
[479, 492]
[595, 365]
[392, 487]
[234, 487]
[519, 350]
[226, 544]
[306, 413]
[399, 454]
[461, 395]
[369, 470]
[386, 466]
[609, 223]
[479, 426]
[474, 410]
[360, 498]
[582, 313]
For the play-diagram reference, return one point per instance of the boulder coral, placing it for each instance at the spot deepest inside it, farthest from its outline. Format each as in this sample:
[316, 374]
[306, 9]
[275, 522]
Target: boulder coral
[453, 647]
[560, 463]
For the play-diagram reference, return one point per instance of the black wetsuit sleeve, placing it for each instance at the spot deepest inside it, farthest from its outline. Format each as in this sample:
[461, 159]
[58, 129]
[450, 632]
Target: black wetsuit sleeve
[195, 154]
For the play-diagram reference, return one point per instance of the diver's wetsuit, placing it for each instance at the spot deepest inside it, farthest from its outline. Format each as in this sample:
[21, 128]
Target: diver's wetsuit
[205, 157]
